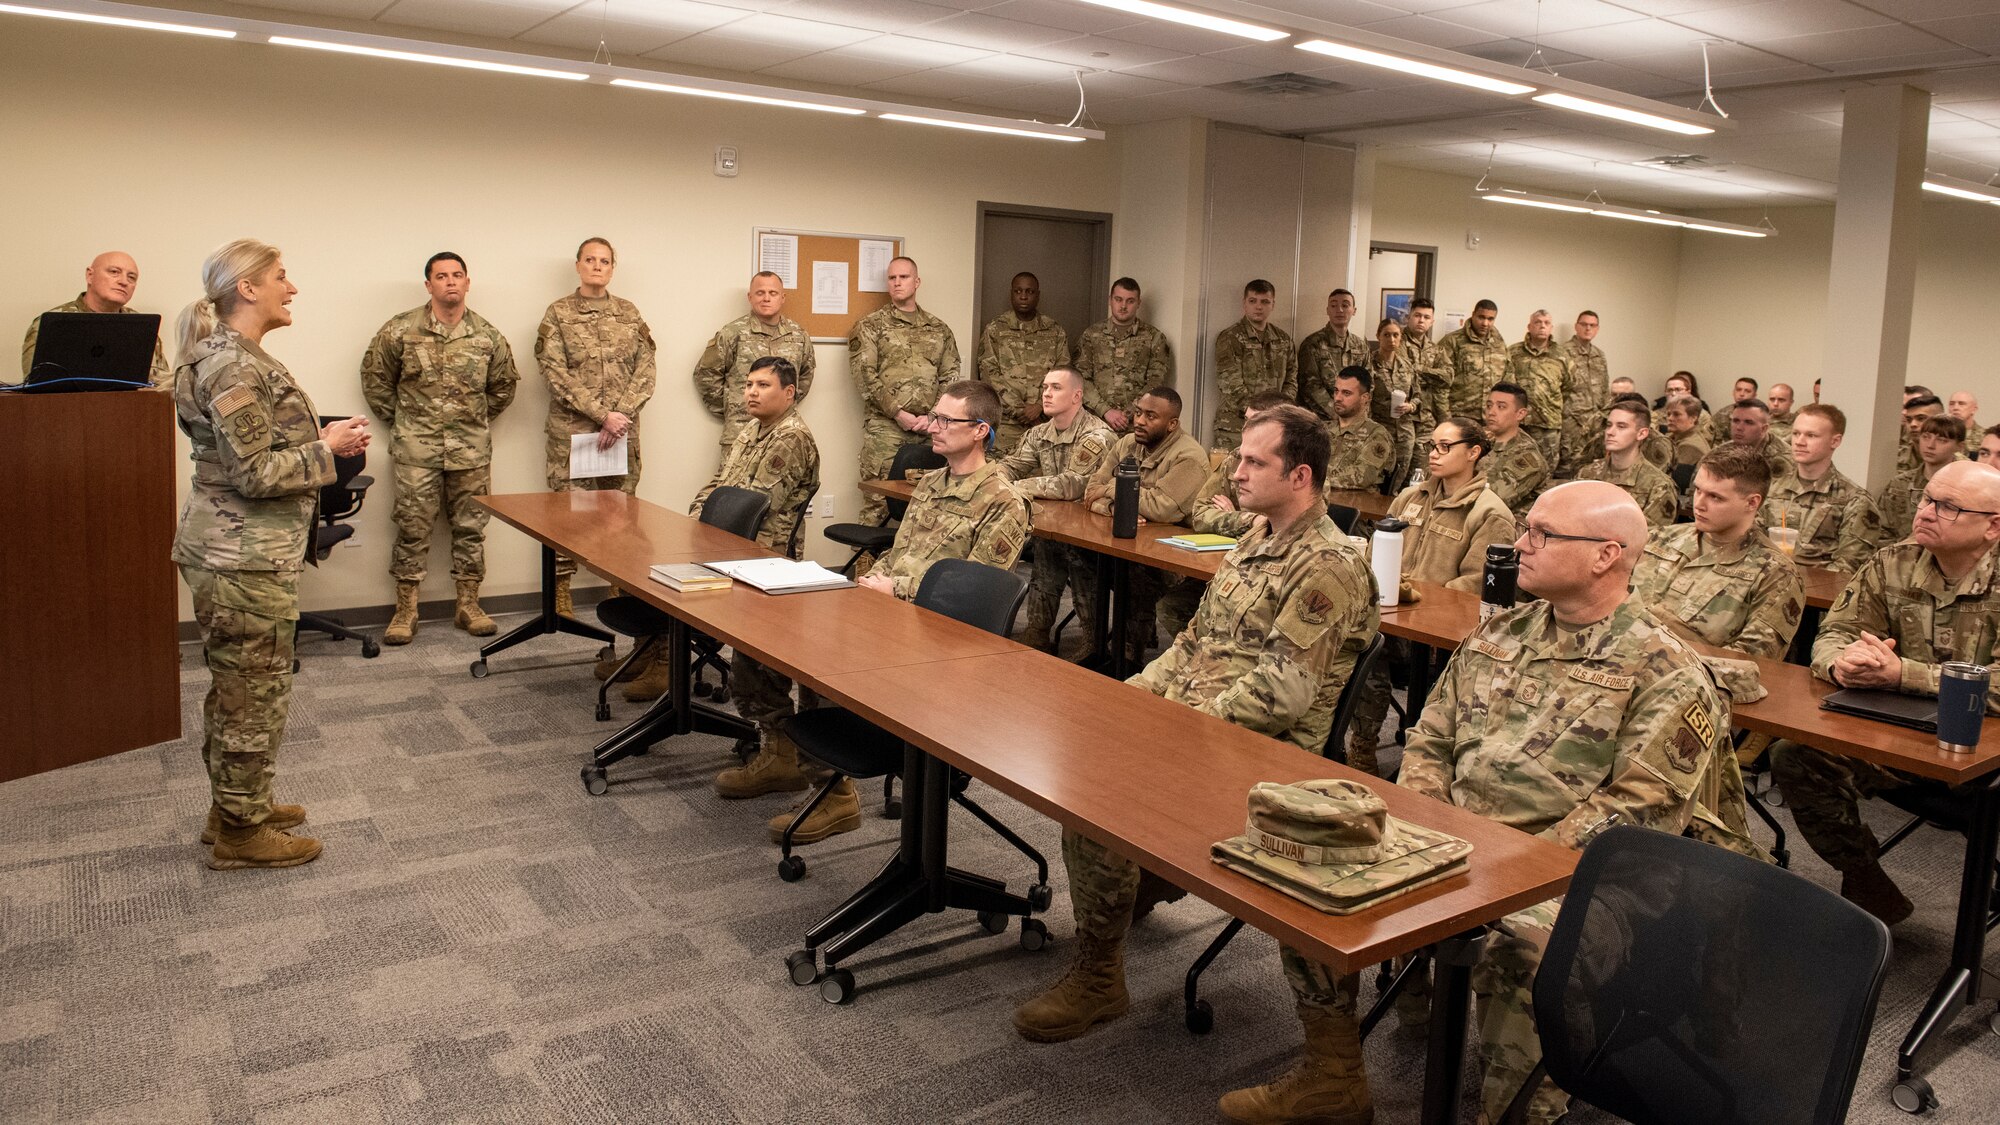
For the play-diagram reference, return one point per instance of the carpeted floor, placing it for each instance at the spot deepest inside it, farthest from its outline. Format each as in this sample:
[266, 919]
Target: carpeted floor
[484, 942]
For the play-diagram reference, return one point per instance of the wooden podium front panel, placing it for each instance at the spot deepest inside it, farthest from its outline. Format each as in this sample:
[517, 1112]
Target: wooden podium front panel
[87, 633]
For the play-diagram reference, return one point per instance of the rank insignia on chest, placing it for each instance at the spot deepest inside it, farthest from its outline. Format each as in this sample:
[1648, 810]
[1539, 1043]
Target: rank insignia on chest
[1530, 692]
[1943, 639]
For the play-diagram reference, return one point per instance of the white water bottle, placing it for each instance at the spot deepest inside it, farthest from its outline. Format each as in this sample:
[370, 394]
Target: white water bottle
[1385, 556]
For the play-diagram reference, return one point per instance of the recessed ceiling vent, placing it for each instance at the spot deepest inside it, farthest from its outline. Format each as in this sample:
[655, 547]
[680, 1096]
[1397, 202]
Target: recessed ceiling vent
[1286, 85]
[1693, 162]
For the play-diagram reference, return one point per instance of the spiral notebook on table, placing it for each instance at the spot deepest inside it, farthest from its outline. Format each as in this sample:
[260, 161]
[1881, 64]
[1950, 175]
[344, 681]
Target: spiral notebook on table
[781, 576]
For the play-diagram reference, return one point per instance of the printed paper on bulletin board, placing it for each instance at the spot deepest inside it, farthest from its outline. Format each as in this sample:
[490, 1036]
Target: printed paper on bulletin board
[862, 254]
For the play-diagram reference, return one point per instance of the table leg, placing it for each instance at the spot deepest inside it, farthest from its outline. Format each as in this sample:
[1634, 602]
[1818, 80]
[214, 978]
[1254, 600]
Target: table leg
[1451, 1003]
[1121, 610]
[1959, 988]
[1802, 641]
[1422, 661]
[673, 713]
[1100, 615]
[546, 622]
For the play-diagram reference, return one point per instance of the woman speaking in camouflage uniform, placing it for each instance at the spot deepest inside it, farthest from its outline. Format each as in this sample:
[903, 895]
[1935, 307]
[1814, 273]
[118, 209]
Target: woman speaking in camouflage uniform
[260, 458]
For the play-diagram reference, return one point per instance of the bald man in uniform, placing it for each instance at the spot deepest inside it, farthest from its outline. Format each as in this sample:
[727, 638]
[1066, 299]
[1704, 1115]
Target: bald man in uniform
[108, 285]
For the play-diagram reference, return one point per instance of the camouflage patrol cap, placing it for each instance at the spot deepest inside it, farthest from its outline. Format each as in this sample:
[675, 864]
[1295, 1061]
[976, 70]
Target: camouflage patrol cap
[1333, 845]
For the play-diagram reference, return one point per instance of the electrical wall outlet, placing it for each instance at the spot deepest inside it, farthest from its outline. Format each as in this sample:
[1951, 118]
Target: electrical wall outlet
[725, 160]
[1472, 237]
[826, 507]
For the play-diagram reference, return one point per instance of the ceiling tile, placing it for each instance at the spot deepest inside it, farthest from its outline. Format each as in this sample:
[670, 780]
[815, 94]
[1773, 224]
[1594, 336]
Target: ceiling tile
[1521, 53]
[633, 29]
[1621, 40]
[1919, 10]
[1522, 21]
[757, 41]
[1980, 32]
[1724, 60]
[1174, 37]
[1353, 13]
[918, 54]
[1829, 47]
[1198, 70]
[977, 29]
[982, 76]
[1618, 76]
[1094, 52]
[1085, 19]
[1777, 19]
[1430, 31]
[350, 9]
[484, 17]
[837, 68]
[875, 15]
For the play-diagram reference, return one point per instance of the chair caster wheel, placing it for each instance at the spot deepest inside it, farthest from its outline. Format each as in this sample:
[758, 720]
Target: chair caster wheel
[604, 712]
[746, 749]
[702, 690]
[370, 650]
[479, 669]
[802, 966]
[594, 781]
[1775, 797]
[295, 666]
[1993, 1022]
[1034, 935]
[892, 810]
[992, 922]
[792, 868]
[608, 651]
[837, 986]
[1784, 858]
[1039, 897]
[1201, 1018]
[720, 694]
[1914, 1095]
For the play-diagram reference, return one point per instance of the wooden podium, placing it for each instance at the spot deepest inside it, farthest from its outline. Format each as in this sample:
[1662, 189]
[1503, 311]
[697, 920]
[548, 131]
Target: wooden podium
[89, 661]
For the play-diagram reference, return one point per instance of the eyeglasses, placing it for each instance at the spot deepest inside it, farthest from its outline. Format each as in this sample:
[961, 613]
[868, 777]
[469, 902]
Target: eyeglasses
[1948, 511]
[941, 420]
[1538, 537]
[1443, 447]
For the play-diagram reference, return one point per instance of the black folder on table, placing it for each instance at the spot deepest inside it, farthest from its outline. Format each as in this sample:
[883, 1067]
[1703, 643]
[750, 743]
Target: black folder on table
[1919, 711]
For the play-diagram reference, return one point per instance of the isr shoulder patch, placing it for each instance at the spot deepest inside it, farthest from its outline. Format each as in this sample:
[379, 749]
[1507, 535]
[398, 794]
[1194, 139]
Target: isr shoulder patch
[1697, 720]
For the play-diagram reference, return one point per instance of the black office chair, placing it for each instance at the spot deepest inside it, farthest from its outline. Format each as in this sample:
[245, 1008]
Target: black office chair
[339, 501]
[738, 511]
[1343, 517]
[867, 539]
[1684, 982]
[1199, 1015]
[979, 595]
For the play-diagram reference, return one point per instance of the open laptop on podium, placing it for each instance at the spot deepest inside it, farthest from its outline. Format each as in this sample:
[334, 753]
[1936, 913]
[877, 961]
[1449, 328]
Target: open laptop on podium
[77, 351]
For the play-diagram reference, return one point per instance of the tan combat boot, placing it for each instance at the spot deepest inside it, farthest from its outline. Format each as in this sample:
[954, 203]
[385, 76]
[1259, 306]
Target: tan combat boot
[1092, 992]
[1035, 634]
[564, 605]
[653, 680]
[1362, 753]
[470, 617]
[775, 769]
[261, 846]
[840, 812]
[282, 817]
[403, 627]
[1328, 1087]
[606, 665]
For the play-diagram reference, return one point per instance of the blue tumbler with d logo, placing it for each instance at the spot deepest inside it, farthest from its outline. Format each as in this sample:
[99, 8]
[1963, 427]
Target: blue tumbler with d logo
[1961, 705]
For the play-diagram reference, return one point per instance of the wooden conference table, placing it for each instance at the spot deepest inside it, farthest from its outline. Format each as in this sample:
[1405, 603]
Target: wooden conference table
[1156, 781]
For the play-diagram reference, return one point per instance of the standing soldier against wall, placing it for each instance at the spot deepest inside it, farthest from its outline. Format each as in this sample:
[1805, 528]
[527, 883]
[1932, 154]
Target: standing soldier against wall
[725, 363]
[1251, 355]
[1120, 356]
[1469, 361]
[899, 356]
[598, 355]
[437, 376]
[1327, 352]
[1586, 397]
[1544, 369]
[1016, 349]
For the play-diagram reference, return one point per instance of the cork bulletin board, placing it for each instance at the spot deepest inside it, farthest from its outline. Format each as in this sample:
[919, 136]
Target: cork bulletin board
[831, 280]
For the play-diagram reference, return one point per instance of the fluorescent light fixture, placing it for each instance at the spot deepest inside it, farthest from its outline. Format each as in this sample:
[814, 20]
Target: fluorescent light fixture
[1620, 113]
[979, 128]
[1603, 210]
[1522, 199]
[732, 96]
[119, 21]
[1202, 20]
[1412, 66]
[1961, 189]
[441, 60]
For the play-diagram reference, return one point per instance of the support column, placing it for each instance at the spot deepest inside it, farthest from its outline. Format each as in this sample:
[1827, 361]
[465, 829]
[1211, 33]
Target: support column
[1872, 278]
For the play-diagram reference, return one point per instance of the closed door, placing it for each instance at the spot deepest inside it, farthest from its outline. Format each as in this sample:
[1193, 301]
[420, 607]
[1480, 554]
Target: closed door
[1068, 252]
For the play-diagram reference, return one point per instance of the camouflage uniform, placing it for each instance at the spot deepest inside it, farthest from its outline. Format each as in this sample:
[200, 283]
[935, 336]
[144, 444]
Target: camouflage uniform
[1433, 389]
[1363, 453]
[1906, 455]
[1546, 373]
[1013, 357]
[1777, 455]
[1689, 448]
[1746, 598]
[1897, 503]
[1900, 595]
[1650, 488]
[1973, 432]
[245, 535]
[1399, 374]
[978, 517]
[1516, 471]
[1248, 361]
[1210, 519]
[162, 374]
[1322, 356]
[899, 361]
[1781, 427]
[1657, 450]
[1118, 364]
[597, 354]
[1836, 521]
[1586, 399]
[1446, 543]
[780, 460]
[1718, 426]
[1170, 479]
[1057, 465]
[438, 388]
[724, 366]
[1467, 367]
[1565, 733]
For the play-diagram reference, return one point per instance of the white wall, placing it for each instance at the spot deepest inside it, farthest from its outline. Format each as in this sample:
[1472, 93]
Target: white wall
[1529, 259]
[359, 169]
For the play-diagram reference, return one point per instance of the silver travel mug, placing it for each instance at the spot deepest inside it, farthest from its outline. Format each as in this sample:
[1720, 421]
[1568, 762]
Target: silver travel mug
[1961, 705]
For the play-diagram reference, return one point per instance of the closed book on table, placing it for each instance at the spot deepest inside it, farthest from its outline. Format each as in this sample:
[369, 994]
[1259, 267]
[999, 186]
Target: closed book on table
[1197, 541]
[686, 577]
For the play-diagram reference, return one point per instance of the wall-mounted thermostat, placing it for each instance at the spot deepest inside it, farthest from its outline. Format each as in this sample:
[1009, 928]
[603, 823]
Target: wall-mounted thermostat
[725, 160]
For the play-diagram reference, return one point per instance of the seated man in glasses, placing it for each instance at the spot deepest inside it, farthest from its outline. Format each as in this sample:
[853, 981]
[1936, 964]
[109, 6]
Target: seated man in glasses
[966, 510]
[1563, 718]
[1919, 603]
